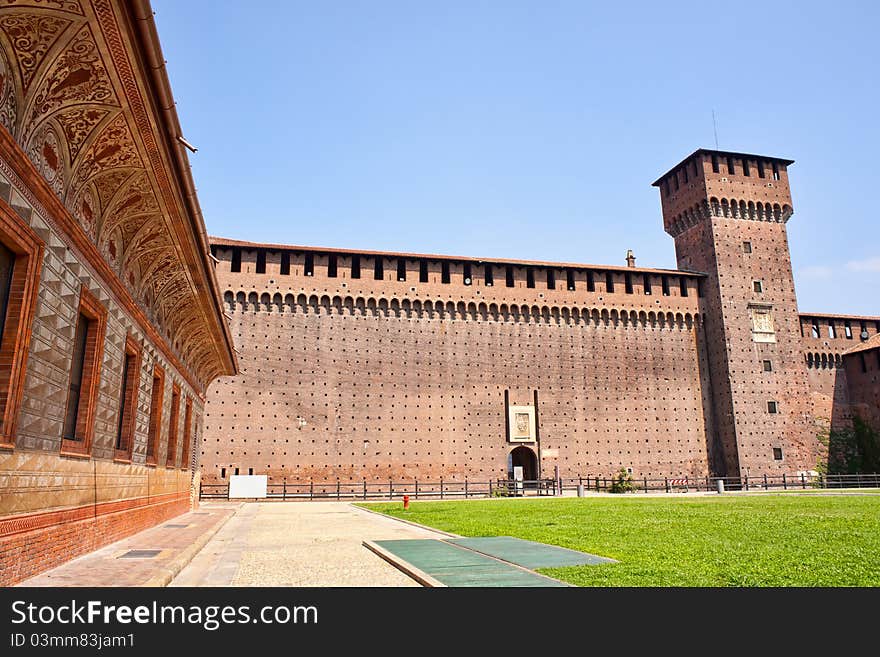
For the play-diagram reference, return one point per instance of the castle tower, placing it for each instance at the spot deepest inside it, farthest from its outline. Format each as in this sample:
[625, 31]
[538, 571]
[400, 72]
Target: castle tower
[727, 213]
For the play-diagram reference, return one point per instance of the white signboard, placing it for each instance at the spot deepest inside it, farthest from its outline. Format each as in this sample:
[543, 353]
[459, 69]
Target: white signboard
[248, 486]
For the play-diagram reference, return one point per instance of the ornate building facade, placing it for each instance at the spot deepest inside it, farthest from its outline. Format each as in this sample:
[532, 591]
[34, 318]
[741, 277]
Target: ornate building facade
[365, 366]
[110, 325]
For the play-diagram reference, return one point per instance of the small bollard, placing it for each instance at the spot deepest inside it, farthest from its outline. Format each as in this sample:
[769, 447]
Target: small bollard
[580, 490]
[720, 484]
[406, 501]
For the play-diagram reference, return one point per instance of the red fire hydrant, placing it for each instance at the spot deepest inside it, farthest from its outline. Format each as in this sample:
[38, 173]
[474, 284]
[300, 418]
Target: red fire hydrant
[406, 501]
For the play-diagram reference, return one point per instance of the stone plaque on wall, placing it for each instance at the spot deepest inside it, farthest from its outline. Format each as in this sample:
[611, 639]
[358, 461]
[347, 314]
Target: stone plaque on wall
[762, 323]
[522, 424]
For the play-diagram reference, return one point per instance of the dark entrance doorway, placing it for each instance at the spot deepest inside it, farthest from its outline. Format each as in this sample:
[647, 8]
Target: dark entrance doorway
[526, 458]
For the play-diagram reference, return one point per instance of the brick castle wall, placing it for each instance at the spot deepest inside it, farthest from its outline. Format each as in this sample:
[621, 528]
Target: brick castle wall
[408, 381]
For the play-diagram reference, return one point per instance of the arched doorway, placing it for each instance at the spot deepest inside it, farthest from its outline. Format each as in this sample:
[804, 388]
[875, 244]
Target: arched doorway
[526, 458]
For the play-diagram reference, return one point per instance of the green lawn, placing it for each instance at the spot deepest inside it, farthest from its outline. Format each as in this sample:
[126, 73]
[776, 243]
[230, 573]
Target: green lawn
[757, 540]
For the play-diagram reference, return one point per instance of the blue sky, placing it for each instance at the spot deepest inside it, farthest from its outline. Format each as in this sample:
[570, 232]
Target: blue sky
[527, 129]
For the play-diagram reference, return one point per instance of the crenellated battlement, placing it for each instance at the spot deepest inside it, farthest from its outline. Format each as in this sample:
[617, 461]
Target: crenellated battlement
[284, 270]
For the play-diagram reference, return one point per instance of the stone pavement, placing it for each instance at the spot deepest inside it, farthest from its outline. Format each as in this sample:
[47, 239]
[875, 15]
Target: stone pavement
[166, 548]
[299, 544]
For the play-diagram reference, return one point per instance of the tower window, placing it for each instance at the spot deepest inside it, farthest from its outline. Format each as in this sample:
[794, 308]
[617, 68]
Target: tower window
[309, 267]
[236, 472]
[378, 268]
[761, 172]
[423, 271]
[628, 283]
[591, 284]
[730, 168]
[683, 286]
[466, 278]
[768, 366]
[715, 167]
[508, 276]
[772, 407]
[285, 263]
[444, 273]
[401, 269]
[530, 277]
[250, 471]
[236, 260]
[832, 332]
[223, 473]
[261, 261]
[814, 330]
[609, 281]
[747, 247]
[746, 170]
[863, 331]
[758, 286]
[684, 172]
[664, 284]
[847, 330]
[777, 453]
[551, 279]
[332, 267]
[646, 283]
[569, 280]
[488, 277]
[355, 266]
[775, 171]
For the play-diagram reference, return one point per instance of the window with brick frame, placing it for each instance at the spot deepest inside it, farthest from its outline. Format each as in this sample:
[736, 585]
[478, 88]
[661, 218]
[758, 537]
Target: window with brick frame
[772, 407]
[85, 376]
[154, 429]
[187, 435]
[173, 417]
[777, 453]
[22, 259]
[130, 386]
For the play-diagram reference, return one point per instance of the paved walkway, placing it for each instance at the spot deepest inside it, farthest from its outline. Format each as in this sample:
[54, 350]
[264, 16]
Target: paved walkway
[299, 544]
[159, 553]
